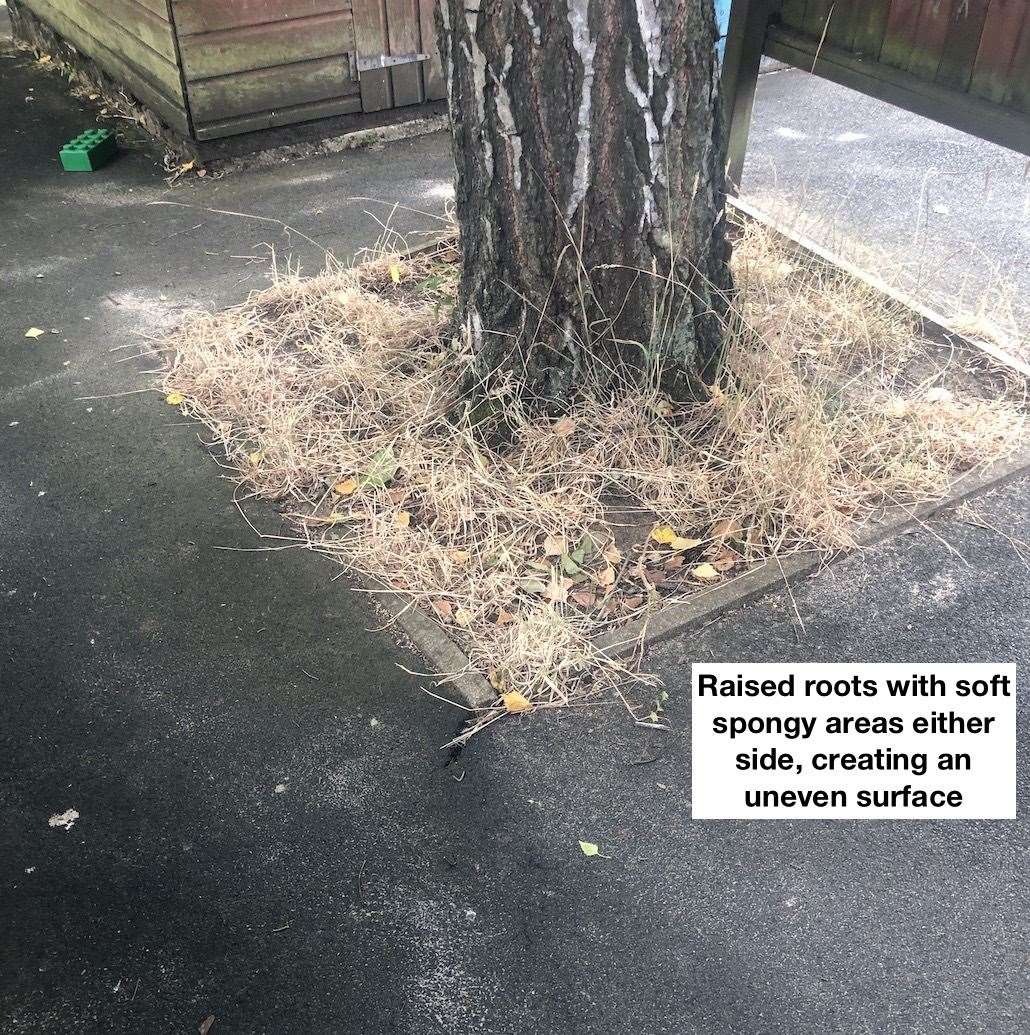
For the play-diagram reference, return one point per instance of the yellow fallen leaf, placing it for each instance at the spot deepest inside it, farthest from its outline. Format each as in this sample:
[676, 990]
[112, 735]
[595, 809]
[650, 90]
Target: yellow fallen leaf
[402, 518]
[256, 457]
[34, 332]
[515, 702]
[683, 542]
[345, 488]
[589, 848]
[706, 572]
[663, 535]
[463, 617]
[459, 557]
[175, 398]
[395, 273]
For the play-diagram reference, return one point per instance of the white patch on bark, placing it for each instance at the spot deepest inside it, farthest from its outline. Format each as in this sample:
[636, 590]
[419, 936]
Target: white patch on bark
[527, 12]
[654, 144]
[649, 23]
[502, 101]
[477, 61]
[579, 19]
[670, 106]
[474, 332]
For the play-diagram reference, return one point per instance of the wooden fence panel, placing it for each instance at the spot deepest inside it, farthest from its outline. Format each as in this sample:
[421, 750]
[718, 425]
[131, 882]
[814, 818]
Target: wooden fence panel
[195, 16]
[899, 38]
[998, 45]
[136, 48]
[372, 39]
[244, 48]
[870, 26]
[404, 34]
[931, 35]
[963, 41]
[432, 70]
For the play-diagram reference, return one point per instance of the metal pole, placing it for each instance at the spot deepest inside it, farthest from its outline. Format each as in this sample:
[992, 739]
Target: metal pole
[745, 38]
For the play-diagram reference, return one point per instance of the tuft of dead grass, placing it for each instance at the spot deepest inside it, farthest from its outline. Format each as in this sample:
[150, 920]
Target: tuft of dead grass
[339, 395]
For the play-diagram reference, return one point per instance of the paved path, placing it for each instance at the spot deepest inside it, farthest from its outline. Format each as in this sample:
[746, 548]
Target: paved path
[267, 831]
[944, 215]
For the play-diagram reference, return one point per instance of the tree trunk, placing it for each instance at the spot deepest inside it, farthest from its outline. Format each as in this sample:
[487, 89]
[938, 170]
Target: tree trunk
[590, 189]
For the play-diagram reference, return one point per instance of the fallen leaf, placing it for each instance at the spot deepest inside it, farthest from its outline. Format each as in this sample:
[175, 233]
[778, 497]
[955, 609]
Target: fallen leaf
[459, 557]
[569, 564]
[346, 487]
[589, 848]
[674, 563]
[558, 590]
[612, 554]
[656, 578]
[896, 407]
[565, 427]
[256, 457]
[555, 546]
[463, 617]
[381, 470]
[533, 585]
[605, 577]
[504, 617]
[683, 542]
[727, 528]
[402, 518]
[633, 602]
[663, 535]
[514, 702]
[705, 572]
[444, 608]
[175, 398]
[34, 332]
[724, 559]
[395, 273]
[496, 679]
[584, 598]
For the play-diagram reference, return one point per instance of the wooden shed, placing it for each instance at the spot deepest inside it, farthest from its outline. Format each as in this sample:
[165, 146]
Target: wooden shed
[215, 68]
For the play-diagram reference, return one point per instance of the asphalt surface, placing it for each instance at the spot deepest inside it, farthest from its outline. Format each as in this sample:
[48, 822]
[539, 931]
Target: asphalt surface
[938, 212]
[268, 832]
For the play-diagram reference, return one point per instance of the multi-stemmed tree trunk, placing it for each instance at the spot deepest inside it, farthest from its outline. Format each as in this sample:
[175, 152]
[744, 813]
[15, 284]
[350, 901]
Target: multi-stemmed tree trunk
[590, 188]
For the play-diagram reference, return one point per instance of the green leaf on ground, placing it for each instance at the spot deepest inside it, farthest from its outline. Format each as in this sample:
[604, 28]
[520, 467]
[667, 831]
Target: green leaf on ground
[381, 469]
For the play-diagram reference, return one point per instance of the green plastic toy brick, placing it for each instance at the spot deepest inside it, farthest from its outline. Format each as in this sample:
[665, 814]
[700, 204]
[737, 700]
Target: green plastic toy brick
[89, 151]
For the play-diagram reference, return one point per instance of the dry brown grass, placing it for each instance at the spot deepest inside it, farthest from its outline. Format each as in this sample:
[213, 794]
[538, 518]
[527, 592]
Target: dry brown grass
[335, 395]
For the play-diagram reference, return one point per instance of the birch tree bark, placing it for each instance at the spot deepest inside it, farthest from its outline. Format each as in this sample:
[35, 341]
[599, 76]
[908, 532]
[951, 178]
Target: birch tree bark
[590, 188]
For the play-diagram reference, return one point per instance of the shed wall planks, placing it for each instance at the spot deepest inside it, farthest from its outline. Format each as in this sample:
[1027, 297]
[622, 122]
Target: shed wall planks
[132, 40]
